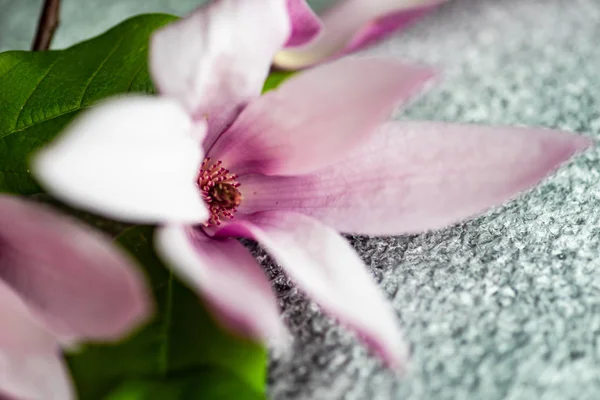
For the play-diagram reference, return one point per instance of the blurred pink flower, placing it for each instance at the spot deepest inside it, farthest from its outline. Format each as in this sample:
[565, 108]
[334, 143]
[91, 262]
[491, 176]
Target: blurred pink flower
[288, 169]
[60, 283]
[348, 26]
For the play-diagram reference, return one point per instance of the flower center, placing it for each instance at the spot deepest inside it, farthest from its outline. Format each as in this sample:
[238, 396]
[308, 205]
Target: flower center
[219, 190]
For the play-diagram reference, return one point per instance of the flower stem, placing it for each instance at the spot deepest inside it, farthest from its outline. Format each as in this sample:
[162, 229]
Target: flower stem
[47, 24]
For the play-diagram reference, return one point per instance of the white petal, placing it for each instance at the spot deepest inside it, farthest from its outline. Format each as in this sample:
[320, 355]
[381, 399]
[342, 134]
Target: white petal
[133, 158]
[215, 60]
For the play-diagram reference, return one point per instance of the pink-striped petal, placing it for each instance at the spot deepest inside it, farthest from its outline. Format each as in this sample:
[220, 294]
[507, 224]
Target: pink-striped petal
[304, 22]
[227, 277]
[325, 266]
[216, 59]
[353, 24]
[132, 158]
[313, 119]
[30, 361]
[73, 279]
[415, 176]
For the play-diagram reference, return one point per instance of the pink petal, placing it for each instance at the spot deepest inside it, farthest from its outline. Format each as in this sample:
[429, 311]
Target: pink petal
[385, 25]
[352, 24]
[305, 23]
[72, 278]
[327, 268]
[133, 158]
[21, 332]
[228, 277]
[416, 176]
[30, 363]
[216, 59]
[315, 118]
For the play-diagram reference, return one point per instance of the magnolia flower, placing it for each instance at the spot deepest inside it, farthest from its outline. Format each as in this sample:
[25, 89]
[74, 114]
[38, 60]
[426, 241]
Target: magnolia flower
[349, 26]
[211, 161]
[60, 283]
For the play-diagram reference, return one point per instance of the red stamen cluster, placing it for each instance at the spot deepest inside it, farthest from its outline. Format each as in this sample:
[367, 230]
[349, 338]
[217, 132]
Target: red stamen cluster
[219, 190]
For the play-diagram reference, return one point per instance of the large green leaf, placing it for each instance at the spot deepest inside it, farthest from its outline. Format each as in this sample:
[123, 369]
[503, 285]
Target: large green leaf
[41, 92]
[208, 384]
[183, 340]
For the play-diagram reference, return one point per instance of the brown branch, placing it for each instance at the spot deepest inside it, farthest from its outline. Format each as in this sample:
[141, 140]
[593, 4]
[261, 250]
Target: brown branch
[47, 25]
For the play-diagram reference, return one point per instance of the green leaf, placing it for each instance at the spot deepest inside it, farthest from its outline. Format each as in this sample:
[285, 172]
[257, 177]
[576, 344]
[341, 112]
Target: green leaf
[205, 384]
[275, 79]
[42, 91]
[183, 338]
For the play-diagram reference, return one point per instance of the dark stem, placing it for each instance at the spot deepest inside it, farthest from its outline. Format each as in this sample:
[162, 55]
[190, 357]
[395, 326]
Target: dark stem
[47, 25]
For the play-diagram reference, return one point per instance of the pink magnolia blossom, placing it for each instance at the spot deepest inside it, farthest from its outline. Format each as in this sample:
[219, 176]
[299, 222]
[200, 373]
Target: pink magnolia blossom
[60, 283]
[347, 27]
[211, 161]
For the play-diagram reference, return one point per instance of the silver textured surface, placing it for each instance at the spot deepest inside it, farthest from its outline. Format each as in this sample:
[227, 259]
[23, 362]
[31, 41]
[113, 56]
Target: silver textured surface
[506, 306]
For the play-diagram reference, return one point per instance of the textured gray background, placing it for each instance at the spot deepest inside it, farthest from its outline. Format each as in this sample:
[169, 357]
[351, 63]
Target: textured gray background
[503, 307]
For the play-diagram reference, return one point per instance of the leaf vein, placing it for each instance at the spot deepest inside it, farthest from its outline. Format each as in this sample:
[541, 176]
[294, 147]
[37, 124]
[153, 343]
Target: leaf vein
[11, 68]
[42, 121]
[37, 85]
[136, 75]
[166, 326]
[108, 56]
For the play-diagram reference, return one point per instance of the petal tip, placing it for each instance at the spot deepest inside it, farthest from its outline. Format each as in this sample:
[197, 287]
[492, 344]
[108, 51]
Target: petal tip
[400, 363]
[428, 76]
[566, 145]
[279, 338]
[582, 143]
[413, 72]
[139, 310]
[394, 353]
[305, 24]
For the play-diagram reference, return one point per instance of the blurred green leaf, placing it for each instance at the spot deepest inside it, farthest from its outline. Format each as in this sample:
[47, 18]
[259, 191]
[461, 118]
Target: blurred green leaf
[205, 384]
[40, 92]
[182, 341]
[275, 79]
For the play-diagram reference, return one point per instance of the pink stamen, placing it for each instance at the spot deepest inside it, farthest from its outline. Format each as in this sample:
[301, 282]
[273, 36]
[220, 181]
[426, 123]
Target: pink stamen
[211, 175]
